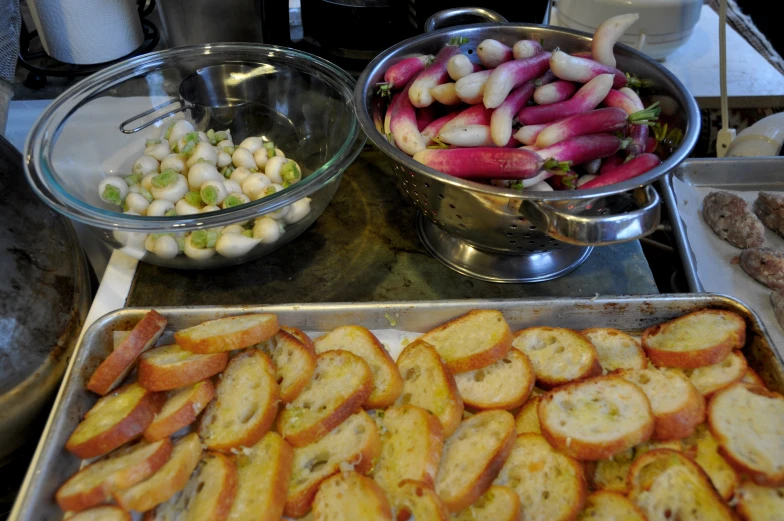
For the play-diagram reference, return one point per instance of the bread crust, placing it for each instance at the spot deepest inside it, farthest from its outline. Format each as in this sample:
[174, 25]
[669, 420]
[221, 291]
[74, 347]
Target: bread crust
[115, 366]
[188, 369]
[102, 513]
[640, 361]
[285, 343]
[167, 423]
[191, 339]
[710, 379]
[302, 337]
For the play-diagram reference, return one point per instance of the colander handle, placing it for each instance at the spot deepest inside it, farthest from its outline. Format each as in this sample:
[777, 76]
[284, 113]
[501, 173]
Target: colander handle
[461, 15]
[153, 121]
[561, 221]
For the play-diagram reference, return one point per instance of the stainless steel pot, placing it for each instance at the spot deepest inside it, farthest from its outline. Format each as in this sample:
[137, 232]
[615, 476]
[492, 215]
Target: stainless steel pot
[505, 235]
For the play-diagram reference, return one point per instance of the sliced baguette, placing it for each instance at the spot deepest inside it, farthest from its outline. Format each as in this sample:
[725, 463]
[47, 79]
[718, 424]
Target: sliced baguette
[228, 334]
[706, 455]
[167, 481]
[609, 506]
[712, 378]
[527, 420]
[505, 384]
[263, 473]
[695, 340]
[427, 383]
[499, 503]
[473, 456]
[748, 424]
[207, 496]
[411, 447]
[751, 377]
[301, 336]
[340, 385]
[472, 341]
[120, 361]
[354, 444]
[94, 484]
[350, 496]
[115, 419]
[756, 503]
[616, 349]
[294, 363]
[558, 355]
[104, 513]
[597, 418]
[610, 474]
[245, 405]
[171, 367]
[387, 383]
[412, 501]
[678, 407]
[666, 485]
[550, 485]
[180, 410]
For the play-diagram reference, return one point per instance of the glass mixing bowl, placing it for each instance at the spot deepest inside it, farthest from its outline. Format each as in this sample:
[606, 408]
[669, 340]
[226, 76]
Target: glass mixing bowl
[300, 102]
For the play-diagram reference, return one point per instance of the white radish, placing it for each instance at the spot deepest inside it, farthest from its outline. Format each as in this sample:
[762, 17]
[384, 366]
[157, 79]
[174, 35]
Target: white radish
[402, 124]
[233, 228]
[240, 174]
[273, 167]
[260, 157]
[470, 136]
[609, 32]
[146, 181]
[149, 243]
[225, 143]
[213, 192]
[224, 159]
[554, 92]
[169, 185]
[525, 49]
[210, 208]
[298, 210]
[159, 207]
[183, 207]
[459, 66]
[585, 178]
[232, 187]
[174, 162]
[541, 186]
[180, 128]
[233, 200]
[445, 94]
[583, 70]
[280, 213]
[203, 138]
[592, 167]
[196, 253]
[252, 144]
[200, 173]
[266, 229]
[136, 202]
[242, 157]
[157, 150]
[133, 242]
[145, 165]
[254, 185]
[587, 98]
[511, 74]
[527, 134]
[471, 88]
[493, 53]
[502, 118]
[113, 189]
[233, 245]
[202, 153]
[166, 247]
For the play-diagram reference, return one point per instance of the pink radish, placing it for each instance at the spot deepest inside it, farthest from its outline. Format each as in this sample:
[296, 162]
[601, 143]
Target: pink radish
[503, 117]
[471, 88]
[582, 70]
[585, 179]
[399, 74]
[493, 53]
[616, 98]
[476, 115]
[445, 94]
[511, 74]
[432, 130]
[388, 116]
[425, 116]
[629, 170]
[565, 181]
[435, 74]
[581, 149]
[547, 77]
[609, 32]
[587, 98]
[597, 121]
[525, 49]
[628, 100]
[470, 136]
[459, 66]
[527, 134]
[610, 163]
[484, 163]
[403, 124]
[651, 144]
[554, 92]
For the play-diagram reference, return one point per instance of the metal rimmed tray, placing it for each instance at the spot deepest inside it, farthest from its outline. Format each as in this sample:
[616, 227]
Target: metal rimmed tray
[52, 464]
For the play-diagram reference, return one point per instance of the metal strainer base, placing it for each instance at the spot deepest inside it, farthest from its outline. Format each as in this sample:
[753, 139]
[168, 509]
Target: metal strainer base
[498, 267]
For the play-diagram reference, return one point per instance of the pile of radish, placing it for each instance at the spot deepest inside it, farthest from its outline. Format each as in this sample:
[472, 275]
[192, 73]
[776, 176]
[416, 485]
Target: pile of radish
[525, 118]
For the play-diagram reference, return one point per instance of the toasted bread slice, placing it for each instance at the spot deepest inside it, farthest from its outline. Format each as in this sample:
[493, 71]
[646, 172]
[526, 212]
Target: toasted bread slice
[475, 340]
[695, 340]
[427, 383]
[610, 474]
[263, 473]
[410, 447]
[706, 454]
[349, 496]
[294, 363]
[751, 377]
[167, 481]
[609, 506]
[712, 378]
[180, 410]
[94, 484]
[387, 383]
[748, 424]
[499, 503]
[171, 367]
[473, 456]
[228, 334]
[616, 349]
[116, 418]
[104, 513]
[677, 405]
[340, 385]
[597, 418]
[207, 496]
[558, 355]
[665, 484]
[245, 406]
[354, 444]
[506, 384]
[120, 361]
[301, 336]
[551, 485]
[527, 420]
[411, 500]
[756, 503]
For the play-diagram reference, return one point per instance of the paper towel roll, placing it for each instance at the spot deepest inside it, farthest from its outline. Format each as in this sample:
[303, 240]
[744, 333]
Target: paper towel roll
[87, 31]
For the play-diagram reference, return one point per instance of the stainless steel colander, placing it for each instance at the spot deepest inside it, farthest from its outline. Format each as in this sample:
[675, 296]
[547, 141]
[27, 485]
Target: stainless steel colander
[505, 235]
